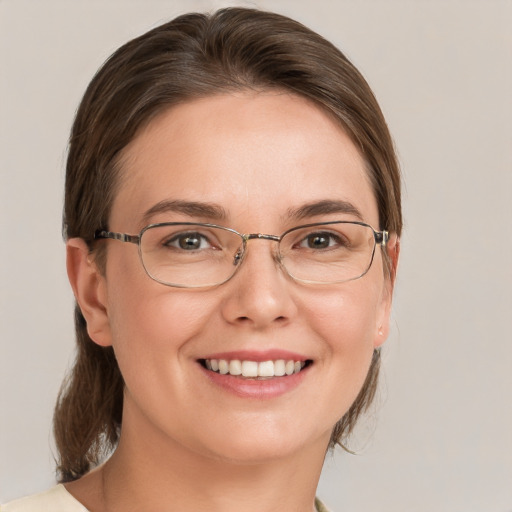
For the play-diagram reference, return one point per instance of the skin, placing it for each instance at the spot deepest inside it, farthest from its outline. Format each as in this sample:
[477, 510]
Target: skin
[186, 443]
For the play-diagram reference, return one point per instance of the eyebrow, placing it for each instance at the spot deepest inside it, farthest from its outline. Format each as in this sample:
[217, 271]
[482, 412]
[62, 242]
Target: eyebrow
[189, 208]
[216, 212]
[324, 207]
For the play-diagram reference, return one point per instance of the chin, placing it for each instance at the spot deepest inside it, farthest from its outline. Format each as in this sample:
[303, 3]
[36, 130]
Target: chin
[266, 444]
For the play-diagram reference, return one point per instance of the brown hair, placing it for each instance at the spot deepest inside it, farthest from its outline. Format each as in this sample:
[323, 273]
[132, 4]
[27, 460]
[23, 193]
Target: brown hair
[194, 56]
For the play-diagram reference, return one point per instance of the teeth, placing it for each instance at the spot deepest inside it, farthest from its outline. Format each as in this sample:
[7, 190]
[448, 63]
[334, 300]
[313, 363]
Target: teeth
[223, 367]
[249, 368]
[279, 367]
[266, 369]
[254, 369]
[235, 367]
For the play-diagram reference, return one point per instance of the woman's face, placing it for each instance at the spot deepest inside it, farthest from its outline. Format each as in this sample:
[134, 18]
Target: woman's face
[255, 160]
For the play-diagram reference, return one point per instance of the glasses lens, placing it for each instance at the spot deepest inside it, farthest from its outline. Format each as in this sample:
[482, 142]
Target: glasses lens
[189, 255]
[328, 253]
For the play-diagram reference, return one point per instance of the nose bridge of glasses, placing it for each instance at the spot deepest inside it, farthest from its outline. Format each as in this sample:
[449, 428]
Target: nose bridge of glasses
[256, 236]
[261, 236]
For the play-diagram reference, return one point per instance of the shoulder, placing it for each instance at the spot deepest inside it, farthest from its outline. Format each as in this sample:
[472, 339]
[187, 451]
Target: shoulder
[56, 499]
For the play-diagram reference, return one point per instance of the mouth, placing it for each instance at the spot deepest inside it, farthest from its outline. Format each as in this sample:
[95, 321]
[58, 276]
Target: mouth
[256, 370]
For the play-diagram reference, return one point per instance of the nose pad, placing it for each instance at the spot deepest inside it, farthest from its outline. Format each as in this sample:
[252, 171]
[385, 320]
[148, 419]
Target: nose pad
[241, 252]
[237, 259]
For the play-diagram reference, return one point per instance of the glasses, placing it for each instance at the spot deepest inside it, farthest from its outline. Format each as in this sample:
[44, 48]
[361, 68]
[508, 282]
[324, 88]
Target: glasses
[196, 255]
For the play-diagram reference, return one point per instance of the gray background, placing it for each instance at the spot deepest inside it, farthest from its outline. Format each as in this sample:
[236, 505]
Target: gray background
[440, 437]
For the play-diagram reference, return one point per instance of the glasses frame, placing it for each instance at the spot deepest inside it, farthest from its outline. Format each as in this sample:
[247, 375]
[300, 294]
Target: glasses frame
[380, 238]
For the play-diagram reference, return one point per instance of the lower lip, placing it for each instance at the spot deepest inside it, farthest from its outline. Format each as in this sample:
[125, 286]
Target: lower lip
[260, 389]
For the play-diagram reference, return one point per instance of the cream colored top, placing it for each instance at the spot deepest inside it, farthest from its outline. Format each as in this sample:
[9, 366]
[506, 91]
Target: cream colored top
[58, 499]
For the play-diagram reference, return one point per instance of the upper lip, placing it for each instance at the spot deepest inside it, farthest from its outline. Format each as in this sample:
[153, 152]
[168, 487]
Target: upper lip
[256, 355]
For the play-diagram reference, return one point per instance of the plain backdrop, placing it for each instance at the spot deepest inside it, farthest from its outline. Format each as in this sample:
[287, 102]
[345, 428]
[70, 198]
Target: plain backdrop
[440, 437]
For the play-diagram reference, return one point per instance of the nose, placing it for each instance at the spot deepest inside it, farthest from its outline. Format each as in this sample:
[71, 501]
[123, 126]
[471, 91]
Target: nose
[258, 296]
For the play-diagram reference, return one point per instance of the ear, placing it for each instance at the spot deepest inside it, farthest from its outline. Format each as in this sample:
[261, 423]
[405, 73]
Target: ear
[383, 317]
[89, 287]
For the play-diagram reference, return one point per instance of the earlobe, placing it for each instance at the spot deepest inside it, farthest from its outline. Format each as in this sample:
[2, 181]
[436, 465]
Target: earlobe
[89, 288]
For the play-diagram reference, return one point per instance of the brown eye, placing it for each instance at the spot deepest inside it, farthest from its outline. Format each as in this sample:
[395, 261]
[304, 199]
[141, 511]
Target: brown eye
[322, 240]
[188, 242]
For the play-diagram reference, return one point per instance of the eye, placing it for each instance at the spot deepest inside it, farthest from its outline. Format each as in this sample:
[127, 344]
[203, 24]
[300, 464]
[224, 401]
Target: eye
[322, 240]
[189, 241]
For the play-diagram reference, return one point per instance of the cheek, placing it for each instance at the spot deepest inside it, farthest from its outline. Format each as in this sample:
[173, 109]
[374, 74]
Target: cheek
[157, 320]
[151, 323]
[346, 316]
[344, 322]
[141, 308]
[151, 341]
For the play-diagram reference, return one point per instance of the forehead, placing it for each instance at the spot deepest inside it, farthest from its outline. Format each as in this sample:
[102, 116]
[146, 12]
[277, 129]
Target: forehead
[252, 154]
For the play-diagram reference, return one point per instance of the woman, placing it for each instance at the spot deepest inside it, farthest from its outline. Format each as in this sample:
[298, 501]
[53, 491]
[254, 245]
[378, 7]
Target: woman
[232, 218]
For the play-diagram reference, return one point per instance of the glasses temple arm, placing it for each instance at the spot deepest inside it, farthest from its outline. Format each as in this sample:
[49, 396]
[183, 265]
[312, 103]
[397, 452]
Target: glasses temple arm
[381, 237]
[123, 237]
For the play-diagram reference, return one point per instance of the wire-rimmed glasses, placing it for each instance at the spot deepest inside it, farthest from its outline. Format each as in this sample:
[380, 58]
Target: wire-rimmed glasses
[198, 255]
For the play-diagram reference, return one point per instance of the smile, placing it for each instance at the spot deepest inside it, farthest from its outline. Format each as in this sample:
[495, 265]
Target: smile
[255, 369]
